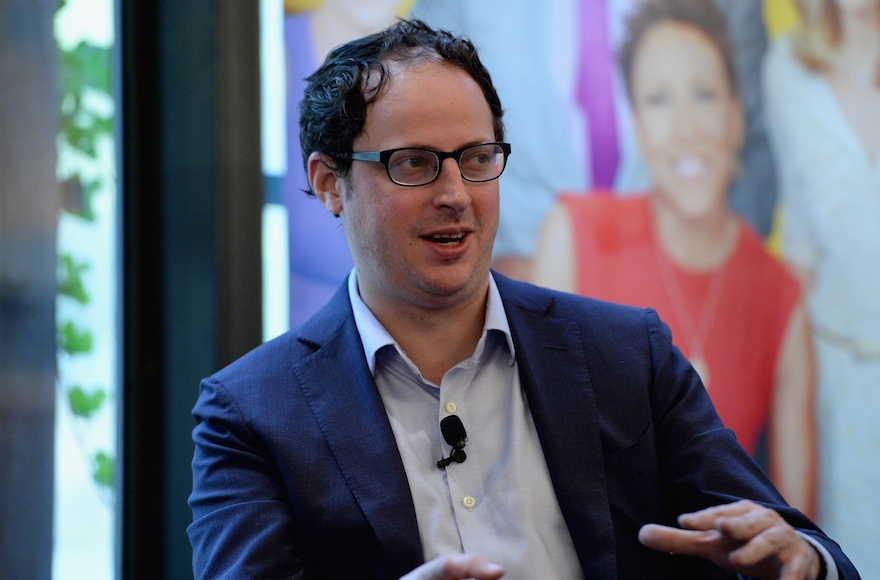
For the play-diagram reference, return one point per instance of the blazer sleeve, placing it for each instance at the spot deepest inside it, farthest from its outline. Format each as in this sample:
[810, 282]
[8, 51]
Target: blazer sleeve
[242, 524]
[704, 464]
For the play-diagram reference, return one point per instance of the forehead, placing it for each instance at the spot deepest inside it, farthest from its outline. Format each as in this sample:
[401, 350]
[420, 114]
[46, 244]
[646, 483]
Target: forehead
[427, 102]
[671, 47]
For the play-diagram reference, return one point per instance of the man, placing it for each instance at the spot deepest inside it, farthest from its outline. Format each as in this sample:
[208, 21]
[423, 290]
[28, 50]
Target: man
[587, 433]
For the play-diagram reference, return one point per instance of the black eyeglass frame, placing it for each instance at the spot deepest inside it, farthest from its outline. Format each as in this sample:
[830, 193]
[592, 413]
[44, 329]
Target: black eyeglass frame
[384, 157]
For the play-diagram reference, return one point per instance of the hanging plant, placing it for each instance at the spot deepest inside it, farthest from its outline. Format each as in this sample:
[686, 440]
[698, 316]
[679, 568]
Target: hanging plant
[86, 120]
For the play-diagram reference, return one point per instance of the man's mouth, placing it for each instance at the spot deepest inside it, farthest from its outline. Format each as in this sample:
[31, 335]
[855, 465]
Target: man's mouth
[447, 239]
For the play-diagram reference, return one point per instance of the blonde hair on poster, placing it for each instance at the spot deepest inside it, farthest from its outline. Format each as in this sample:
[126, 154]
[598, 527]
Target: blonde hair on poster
[297, 6]
[815, 41]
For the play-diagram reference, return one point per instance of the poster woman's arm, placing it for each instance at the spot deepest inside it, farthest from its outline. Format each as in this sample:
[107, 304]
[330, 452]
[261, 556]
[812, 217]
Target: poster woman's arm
[792, 441]
[554, 263]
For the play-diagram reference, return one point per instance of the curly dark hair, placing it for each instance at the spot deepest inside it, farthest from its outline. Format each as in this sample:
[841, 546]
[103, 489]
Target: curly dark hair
[333, 111]
[700, 13]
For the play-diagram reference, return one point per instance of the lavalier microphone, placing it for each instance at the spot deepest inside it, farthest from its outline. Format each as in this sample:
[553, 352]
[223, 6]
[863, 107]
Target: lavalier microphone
[455, 435]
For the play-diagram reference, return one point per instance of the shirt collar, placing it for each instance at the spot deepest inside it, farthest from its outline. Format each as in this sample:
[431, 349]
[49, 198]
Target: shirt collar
[374, 336]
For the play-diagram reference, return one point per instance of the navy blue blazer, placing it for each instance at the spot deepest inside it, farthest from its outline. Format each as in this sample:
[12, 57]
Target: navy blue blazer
[297, 474]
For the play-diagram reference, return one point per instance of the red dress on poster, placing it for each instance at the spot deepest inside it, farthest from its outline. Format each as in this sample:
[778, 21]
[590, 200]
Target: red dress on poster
[730, 320]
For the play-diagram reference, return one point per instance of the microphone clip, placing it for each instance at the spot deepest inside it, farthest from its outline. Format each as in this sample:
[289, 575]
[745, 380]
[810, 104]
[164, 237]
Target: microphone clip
[455, 435]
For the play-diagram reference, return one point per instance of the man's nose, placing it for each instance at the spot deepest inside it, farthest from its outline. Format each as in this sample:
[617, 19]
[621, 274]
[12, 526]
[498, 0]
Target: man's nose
[452, 187]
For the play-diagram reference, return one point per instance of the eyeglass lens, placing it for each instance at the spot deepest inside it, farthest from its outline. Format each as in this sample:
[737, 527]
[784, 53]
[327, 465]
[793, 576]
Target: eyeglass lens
[418, 166]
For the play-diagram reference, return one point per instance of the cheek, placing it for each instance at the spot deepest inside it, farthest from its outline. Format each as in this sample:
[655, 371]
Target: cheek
[489, 200]
[485, 205]
[391, 216]
[654, 131]
[735, 129]
[714, 121]
[364, 215]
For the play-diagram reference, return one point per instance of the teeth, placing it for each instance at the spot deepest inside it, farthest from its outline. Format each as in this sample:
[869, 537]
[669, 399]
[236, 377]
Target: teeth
[448, 239]
[690, 167]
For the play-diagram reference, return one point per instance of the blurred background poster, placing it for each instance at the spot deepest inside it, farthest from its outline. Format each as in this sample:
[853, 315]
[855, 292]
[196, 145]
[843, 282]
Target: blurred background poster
[717, 160]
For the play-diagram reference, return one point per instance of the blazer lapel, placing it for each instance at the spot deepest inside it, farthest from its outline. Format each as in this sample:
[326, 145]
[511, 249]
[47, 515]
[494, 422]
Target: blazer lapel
[553, 371]
[343, 397]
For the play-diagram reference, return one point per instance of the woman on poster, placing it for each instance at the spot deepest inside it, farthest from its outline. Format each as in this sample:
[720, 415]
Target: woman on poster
[734, 310]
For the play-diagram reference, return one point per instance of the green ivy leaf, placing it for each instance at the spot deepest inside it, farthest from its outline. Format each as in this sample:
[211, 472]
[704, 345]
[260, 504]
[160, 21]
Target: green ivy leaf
[82, 134]
[84, 404]
[85, 68]
[73, 341]
[104, 469]
[70, 282]
[78, 196]
[90, 190]
[86, 65]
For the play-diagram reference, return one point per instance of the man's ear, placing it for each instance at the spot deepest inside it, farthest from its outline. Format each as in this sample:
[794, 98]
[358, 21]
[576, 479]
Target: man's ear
[326, 184]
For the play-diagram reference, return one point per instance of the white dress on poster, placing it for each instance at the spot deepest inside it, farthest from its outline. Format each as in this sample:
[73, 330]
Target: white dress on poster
[830, 193]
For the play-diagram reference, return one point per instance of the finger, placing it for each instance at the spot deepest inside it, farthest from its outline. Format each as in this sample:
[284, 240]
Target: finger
[750, 524]
[780, 543]
[767, 544]
[804, 564]
[470, 566]
[705, 518]
[676, 541]
[456, 567]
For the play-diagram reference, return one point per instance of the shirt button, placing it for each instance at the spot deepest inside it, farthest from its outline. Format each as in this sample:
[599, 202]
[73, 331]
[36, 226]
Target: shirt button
[469, 502]
[450, 407]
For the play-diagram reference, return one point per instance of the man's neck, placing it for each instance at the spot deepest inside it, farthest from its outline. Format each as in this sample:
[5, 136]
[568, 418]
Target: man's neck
[435, 339]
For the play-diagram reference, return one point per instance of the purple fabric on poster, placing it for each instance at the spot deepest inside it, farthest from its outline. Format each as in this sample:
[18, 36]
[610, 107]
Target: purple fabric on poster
[319, 256]
[595, 92]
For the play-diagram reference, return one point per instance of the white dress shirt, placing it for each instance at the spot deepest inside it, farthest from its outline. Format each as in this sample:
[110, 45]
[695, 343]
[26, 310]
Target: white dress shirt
[500, 502]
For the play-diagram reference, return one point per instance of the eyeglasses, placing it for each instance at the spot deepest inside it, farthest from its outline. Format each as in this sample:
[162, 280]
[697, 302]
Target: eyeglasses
[413, 166]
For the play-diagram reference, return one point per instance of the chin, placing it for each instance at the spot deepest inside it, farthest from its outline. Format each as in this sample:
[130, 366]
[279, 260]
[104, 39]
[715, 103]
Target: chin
[693, 203]
[450, 283]
[697, 214]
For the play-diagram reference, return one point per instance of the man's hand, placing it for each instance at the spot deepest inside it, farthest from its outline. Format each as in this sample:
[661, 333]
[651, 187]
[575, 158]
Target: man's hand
[742, 537]
[456, 567]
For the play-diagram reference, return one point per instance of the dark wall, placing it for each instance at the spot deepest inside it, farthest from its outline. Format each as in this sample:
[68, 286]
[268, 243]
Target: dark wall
[193, 198]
